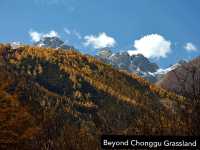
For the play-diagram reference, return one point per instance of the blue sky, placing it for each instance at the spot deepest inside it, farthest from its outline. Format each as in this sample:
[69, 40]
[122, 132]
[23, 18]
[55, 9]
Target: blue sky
[86, 24]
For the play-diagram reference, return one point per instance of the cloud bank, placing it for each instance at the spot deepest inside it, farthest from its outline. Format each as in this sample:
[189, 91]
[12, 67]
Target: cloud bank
[190, 47]
[99, 41]
[36, 36]
[152, 46]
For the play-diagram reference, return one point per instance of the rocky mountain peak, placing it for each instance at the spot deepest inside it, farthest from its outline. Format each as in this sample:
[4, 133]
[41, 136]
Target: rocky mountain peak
[52, 42]
[132, 63]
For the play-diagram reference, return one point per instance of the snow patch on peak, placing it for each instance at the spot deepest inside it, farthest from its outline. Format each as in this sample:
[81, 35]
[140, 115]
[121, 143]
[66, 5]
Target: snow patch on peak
[132, 52]
[164, 71]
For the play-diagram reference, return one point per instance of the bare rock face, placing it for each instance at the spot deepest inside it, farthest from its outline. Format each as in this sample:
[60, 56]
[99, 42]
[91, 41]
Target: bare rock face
[135, 64]
[143, 63]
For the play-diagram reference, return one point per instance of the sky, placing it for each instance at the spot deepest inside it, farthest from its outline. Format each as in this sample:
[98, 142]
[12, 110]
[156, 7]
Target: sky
[163, 31]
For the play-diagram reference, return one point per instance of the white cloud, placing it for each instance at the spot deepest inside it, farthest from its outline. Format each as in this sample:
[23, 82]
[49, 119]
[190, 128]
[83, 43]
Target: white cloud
[152, 46]
[100, 41]
[36, 36]
[190, 47]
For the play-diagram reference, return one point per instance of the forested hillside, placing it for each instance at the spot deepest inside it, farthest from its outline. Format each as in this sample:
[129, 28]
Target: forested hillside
[61, 99]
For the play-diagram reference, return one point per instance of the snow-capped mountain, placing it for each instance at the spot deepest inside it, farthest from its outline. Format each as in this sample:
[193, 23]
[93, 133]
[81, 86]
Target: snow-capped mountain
[52, 42]
[135, 64]
[132, 63]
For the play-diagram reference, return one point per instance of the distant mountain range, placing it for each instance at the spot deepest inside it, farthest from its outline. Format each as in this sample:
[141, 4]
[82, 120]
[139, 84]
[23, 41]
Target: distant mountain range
[135, 64]
[121, 60]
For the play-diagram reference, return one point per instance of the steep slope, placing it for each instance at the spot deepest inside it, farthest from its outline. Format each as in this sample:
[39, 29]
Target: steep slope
[184, 79]
[56, 99]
